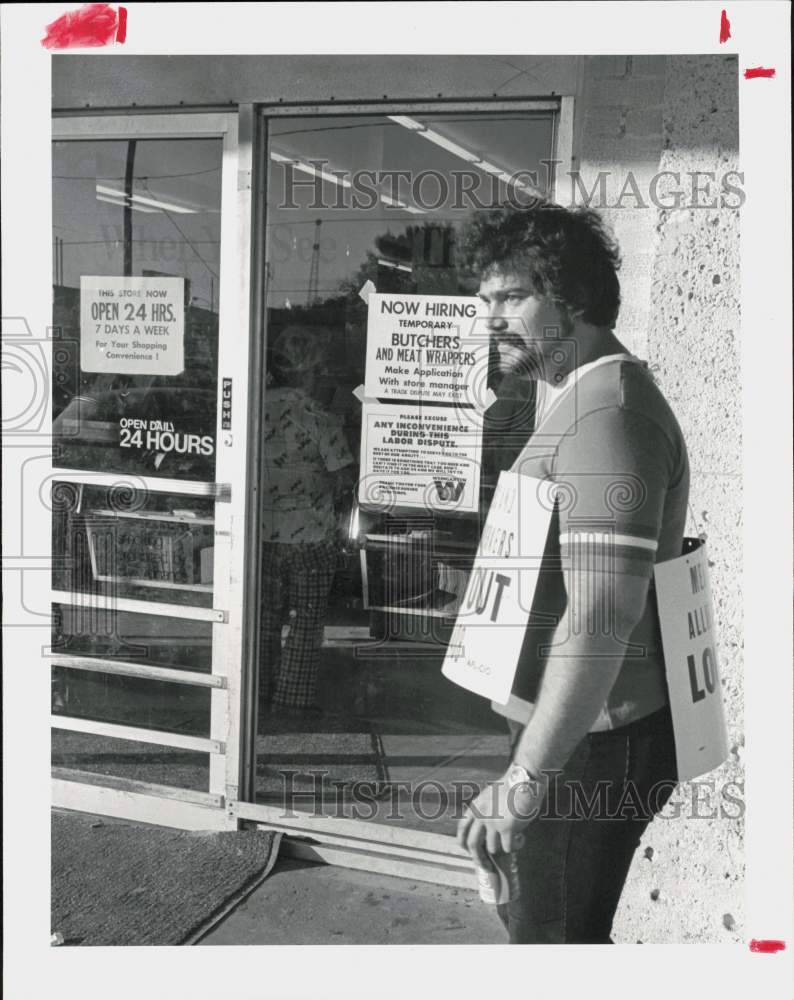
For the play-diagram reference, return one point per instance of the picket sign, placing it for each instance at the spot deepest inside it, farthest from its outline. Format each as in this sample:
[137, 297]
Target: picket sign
[686, 618]
[483, 650]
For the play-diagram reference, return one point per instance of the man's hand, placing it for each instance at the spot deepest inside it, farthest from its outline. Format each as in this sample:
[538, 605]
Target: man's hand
[493, 823]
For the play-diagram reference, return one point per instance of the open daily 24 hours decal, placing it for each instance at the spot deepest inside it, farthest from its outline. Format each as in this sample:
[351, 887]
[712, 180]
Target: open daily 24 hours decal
[161, 436]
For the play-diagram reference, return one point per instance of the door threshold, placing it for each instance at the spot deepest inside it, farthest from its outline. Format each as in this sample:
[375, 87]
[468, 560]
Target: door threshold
[393, 850]
[383, 864]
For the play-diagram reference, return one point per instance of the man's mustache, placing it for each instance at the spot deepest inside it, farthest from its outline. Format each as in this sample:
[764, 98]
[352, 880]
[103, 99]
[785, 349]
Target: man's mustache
[514, 340]
[508, 338]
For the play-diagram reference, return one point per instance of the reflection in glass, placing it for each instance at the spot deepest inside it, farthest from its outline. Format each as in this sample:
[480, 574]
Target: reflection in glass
[103, 632]
[131, 701]
[129, 543]
[148, 208]
[102, 755]
[306, 458]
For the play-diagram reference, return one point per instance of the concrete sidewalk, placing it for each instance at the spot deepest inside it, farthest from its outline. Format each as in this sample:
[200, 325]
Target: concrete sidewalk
[305, 903]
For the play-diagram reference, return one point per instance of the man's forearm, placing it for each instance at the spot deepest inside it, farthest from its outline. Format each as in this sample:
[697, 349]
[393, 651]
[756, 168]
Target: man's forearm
[577, 679]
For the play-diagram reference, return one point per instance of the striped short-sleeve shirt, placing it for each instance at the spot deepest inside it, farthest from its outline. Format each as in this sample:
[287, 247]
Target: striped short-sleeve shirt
[614, 449]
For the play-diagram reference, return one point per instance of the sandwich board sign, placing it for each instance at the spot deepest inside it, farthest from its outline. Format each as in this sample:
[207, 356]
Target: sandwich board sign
[483, 651]
[686, 618]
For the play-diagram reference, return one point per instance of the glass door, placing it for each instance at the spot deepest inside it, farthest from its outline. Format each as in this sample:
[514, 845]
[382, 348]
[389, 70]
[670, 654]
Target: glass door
[359, 592]
[148, 485]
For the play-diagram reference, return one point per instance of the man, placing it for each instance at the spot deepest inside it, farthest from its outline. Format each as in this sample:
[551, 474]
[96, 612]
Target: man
[593, 753]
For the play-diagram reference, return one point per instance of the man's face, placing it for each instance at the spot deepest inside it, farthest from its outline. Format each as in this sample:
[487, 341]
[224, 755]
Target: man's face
[523, 326]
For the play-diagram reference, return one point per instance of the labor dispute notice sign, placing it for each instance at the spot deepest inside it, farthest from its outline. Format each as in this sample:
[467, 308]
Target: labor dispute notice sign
[420, 456]
[483, 651]
[425, 391]
[686, 619]
[132, 326]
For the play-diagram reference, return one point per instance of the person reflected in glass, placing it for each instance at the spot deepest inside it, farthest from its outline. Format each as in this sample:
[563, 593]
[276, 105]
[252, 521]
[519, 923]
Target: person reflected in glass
[307, 466]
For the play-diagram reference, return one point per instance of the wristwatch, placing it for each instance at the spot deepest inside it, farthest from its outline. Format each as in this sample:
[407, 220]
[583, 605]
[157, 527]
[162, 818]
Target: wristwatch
[519, 775]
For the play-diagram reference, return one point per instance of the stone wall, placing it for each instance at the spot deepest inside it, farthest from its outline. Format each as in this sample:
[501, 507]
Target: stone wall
[681, 295]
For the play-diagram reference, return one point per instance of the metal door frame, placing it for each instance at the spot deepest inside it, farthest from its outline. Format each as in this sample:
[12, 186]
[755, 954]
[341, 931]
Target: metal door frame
[368, 846]
[144, 801]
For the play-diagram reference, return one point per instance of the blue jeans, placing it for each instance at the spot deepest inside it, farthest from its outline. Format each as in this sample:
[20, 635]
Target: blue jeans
[577, 852]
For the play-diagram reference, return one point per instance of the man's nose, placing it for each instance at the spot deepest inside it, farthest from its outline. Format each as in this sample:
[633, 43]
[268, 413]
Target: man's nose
[495, 319]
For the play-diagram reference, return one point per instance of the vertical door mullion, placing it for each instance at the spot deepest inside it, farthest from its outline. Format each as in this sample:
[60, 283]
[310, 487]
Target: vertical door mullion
[230, 460]
[253, 136]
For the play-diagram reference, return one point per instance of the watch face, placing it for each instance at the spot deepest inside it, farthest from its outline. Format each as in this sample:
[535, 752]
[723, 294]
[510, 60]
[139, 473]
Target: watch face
[518, 775]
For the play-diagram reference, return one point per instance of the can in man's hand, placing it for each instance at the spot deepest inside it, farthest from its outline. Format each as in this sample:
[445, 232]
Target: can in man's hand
[499, 883]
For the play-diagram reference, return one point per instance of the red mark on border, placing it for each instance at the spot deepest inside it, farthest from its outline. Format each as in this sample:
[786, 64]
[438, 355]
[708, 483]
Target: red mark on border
[725, 28]
[759, 73]
[92, 26]
[121, 31]
[765, 947]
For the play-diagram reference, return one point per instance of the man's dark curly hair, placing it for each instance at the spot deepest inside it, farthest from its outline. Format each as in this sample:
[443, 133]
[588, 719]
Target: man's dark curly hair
[569, 255]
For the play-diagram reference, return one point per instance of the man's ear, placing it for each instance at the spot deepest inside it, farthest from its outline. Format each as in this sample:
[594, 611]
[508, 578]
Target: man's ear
[570, 317]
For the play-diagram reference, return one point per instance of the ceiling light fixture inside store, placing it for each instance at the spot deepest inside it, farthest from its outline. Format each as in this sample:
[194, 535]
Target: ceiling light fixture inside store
[462, 153]
[139, 199]
[407, 122]
[339, 179]
[307, 168]
[451, 147]
[394, 203]
[120, 203]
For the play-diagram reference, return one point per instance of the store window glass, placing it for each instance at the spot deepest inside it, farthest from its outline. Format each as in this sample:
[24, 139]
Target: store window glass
[130, 543]
[140, 397]
[359, 599]
[90, 759]
[136, 280]
[87, 637]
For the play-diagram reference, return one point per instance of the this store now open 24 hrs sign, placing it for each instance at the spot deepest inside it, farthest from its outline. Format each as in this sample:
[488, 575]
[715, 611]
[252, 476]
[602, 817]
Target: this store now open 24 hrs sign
[132, 326]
